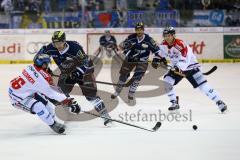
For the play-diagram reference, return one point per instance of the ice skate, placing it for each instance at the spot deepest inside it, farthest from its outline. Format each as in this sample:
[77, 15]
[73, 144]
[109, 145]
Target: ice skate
[222, 106]
[58, 127]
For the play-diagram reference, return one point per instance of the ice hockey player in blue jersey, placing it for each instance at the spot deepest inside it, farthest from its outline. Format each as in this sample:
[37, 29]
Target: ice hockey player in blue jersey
[137, 48]
[75, 67]
[108, 44]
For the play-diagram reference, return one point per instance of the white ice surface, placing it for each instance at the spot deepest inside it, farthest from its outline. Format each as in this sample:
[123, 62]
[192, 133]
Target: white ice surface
[24, 136]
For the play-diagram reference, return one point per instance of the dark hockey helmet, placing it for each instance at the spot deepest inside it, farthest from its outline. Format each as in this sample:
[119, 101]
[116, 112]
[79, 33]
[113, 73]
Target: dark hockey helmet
[41, 59]
[59, 36]
[107, 33]
[169, 30]
[139, 25]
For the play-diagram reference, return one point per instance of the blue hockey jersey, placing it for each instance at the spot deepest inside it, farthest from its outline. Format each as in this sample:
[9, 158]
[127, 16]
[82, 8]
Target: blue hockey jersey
[73, 50]
[140, 50]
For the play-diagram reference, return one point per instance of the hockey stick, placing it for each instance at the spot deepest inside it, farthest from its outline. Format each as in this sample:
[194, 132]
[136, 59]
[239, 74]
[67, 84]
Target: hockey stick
[214, 68]
[154, 129]
[101, 82]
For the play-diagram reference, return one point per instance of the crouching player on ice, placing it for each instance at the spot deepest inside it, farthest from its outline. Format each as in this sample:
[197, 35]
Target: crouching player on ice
[30, 90]
[183, 61]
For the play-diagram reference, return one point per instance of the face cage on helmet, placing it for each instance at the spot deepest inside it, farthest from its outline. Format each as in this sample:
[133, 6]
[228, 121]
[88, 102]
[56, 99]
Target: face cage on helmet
[40, 63]
[168, 33]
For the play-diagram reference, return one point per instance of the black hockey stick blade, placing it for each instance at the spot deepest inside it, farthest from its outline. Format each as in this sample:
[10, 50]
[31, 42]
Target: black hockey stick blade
[210, 71]
[157, 126]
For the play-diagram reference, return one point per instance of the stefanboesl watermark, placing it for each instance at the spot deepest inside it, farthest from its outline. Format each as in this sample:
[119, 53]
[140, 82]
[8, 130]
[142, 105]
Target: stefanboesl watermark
[140, 116]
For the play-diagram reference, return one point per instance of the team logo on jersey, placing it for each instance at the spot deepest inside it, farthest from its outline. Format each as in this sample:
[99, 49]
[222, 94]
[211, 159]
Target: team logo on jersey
[28, 77]
[144, 45]
[68, 58]
[153, 42]
[80, 54]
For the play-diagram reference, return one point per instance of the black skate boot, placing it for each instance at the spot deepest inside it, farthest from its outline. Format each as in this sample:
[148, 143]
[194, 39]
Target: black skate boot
[58, 127]
[118, 90]
[130, 96]
[222, 106]
[114, 95]
[174, 106]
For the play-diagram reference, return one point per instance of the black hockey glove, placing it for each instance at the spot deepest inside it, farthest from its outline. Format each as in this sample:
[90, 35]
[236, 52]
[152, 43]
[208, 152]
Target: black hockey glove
[72, 105]
[127, 45]
[133, 59]
[177, 71]
[69, 65]
[50, 71]
[111, 45]
[156, 62]
[76, 75]
[74, 108]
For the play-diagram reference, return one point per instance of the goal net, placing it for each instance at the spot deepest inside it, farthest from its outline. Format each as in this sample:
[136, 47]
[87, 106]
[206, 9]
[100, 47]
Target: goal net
[93, 45]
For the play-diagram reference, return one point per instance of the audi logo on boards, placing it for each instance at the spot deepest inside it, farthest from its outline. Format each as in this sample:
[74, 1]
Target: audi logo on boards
[33, 47]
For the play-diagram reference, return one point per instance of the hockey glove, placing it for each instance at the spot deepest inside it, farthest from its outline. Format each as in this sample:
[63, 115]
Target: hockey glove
[177, 71]
[73, 105]
[69, 65]
[76, 75]
[157, 62]
[126, 45]
[50, 71]
[75, 108]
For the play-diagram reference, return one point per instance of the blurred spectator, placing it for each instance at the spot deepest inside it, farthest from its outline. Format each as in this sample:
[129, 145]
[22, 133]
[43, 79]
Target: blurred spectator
[205, 4]
[74, 6]
[121, 5]
[140, 4]
[121, 9]
[16, 14]
[47, 6]
[33, 19]
[94, 5]
[8, 7]
[61, 4]
[33, 5]
[237, 4]
[232, 19]
[162, 5]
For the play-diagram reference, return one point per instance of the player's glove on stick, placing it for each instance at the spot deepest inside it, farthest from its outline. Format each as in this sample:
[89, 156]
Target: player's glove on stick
[177, 71]
[73, 105]
[157, 62]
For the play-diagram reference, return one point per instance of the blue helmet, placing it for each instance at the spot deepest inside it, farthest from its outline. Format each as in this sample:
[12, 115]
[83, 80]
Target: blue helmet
[41, 59]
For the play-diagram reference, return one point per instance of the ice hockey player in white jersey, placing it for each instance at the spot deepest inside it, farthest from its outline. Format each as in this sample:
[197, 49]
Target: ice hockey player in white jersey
[32, 88]
[183, 61]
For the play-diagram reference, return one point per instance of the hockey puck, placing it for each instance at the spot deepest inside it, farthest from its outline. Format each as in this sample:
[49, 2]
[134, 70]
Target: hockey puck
[194, 127]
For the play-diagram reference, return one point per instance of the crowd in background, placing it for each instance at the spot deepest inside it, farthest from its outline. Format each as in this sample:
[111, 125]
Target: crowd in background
[30, 13]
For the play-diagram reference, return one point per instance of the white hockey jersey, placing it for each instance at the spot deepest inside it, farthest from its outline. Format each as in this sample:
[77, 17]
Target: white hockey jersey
[34, 80]
[180, 55]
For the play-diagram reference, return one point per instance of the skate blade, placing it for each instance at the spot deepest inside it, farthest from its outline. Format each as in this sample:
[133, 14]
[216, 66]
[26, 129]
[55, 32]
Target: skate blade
[176, 111]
